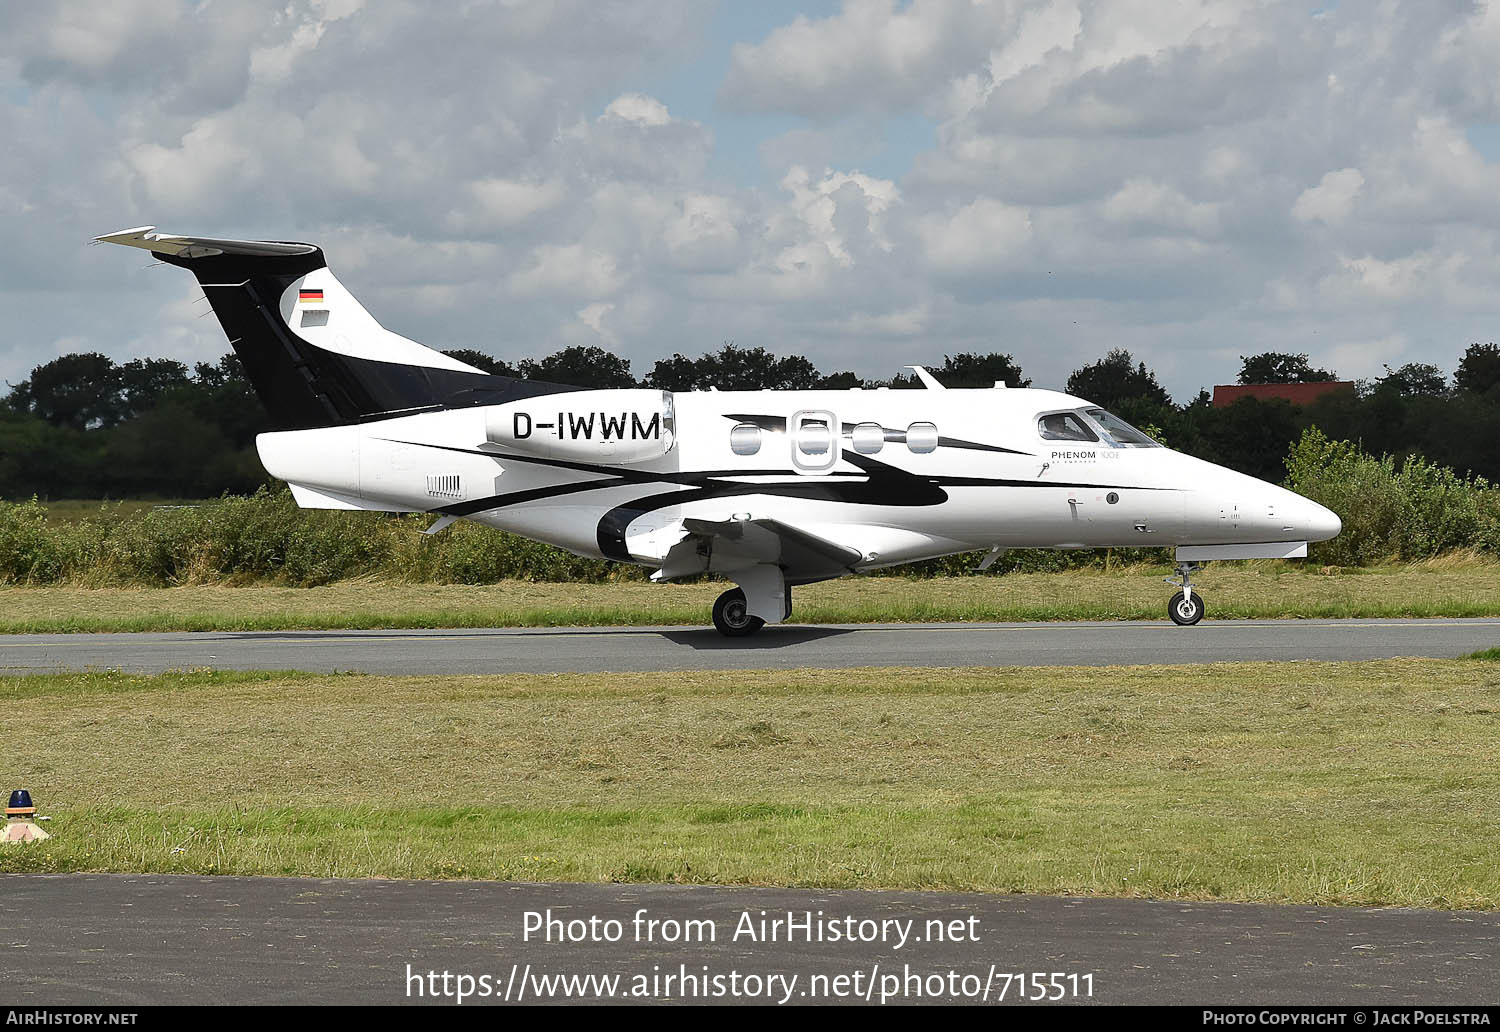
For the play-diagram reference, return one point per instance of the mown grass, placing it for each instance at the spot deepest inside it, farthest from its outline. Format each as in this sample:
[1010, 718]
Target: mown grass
[1235, 591]
[1368, 783]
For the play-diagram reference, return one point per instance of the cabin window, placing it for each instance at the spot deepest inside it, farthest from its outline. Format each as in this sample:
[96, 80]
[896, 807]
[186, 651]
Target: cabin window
[869, 438]
[1118, 432]
[1064, 426]
[744, 439]
[814, 436]
[815, 440]
[922, 438]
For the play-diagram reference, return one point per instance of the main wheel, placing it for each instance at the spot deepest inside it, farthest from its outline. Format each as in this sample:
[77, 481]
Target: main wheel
[1185, 611]
[732, 616]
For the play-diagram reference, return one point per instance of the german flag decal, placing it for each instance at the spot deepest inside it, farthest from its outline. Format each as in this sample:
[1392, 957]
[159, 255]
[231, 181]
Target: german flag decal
[309, 296]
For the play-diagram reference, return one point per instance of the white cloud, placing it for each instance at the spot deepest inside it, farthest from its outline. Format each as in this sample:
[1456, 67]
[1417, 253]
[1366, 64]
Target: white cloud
[1152, 206]
[976, 238]
[1193, 180]
[705, 234]
[499, 203]
[1332, 200]
[841, 211]
[593, 316]
[638, 108]
[870, 53]
[571, 270]
[909, 322]
[1040, 32]
[1461, 272]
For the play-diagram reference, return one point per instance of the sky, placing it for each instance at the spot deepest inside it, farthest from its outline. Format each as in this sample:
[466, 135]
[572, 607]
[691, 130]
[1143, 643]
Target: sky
[867, 183]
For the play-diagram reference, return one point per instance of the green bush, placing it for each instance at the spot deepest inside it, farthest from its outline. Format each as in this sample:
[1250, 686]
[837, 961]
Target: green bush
[31, 552]
[265, 537]
[1392, 512]
[469, 553]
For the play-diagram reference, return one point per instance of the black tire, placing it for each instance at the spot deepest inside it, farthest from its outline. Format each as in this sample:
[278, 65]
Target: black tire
[730, 616]
[1185, 612]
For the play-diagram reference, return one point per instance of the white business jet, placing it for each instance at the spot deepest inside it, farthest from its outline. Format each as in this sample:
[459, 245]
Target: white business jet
[771, 489]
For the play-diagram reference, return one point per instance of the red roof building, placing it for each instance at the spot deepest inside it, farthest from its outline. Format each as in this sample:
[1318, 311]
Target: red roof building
[1296, 393]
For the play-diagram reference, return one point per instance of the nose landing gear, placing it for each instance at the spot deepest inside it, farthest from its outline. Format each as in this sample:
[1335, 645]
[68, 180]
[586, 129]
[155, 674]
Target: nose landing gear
[1186, 607]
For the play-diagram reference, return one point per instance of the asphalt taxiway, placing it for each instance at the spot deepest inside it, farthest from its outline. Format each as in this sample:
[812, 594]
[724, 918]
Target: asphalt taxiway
[611, 649]
[152, 939]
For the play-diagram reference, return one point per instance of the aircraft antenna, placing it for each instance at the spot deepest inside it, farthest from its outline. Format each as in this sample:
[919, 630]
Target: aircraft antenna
[928, 380]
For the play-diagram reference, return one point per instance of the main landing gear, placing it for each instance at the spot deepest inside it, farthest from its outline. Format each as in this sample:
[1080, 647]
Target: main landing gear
[732, 616]
[1186, 607]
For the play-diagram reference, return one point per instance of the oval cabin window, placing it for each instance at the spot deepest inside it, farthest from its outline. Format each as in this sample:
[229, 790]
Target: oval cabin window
[869, 438]
[744, 439]
[922, 438]
[814, 436]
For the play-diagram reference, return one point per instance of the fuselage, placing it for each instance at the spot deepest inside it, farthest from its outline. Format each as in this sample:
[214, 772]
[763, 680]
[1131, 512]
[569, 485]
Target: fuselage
[899, 475]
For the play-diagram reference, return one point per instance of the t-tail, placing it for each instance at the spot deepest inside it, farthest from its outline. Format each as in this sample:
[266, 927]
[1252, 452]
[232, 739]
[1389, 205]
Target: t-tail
[314, 355]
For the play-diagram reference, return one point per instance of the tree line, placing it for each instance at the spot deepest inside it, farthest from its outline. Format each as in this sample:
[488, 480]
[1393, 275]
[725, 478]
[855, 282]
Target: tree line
[84, 426]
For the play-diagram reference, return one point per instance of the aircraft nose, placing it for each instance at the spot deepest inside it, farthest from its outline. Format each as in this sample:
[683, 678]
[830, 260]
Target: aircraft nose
[1304, 518]
[1322, 523]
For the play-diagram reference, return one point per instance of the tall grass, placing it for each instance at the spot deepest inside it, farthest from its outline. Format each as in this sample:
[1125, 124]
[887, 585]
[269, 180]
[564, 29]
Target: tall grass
[266, 537]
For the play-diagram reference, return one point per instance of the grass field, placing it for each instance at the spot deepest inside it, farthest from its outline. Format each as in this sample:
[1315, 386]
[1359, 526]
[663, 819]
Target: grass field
[1265, 590]
[1369, 783]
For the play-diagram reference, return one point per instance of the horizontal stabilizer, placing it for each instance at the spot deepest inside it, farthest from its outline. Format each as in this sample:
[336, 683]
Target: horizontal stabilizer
[148, 238]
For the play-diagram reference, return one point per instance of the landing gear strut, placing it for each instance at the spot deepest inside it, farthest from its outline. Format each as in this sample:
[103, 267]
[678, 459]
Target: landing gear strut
[732, 617]
[1186, 607]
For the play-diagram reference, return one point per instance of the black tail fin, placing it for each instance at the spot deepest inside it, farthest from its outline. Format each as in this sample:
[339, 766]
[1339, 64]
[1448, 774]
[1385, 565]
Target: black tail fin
[313, 354]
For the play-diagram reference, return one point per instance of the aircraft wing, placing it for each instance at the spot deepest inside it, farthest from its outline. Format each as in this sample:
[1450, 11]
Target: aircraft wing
[723, 546]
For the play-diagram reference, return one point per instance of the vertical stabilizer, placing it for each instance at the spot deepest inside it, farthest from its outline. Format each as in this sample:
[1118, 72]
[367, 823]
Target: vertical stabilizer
[315, 356]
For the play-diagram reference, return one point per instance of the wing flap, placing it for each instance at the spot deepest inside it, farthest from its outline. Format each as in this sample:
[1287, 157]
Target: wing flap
[723, 546]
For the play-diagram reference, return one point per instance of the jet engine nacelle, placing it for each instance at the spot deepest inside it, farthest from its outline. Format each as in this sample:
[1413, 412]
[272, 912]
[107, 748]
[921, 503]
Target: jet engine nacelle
[609, 426]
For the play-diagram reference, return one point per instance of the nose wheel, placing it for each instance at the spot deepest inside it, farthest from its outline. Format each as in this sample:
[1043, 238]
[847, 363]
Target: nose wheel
[1186, 607]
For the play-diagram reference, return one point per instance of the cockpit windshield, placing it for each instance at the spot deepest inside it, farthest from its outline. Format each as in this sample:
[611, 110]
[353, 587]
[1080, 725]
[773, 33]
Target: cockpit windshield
[1118, 432]
[1091, 426]
[1064, 426]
